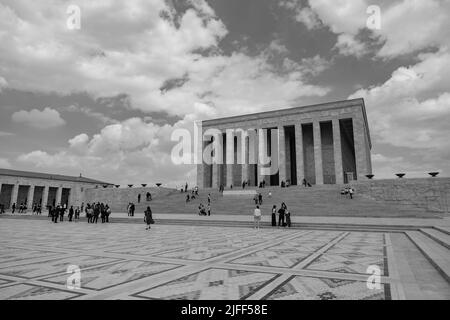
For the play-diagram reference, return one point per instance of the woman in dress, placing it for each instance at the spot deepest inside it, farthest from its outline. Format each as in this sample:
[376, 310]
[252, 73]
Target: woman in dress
[148, 218]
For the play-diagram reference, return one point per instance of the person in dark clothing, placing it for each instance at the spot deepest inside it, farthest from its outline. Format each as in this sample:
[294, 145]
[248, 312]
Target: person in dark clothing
[13, 207]
[132, 208]
[148, 218]
[102, 214]
[287, 215]
[96, 213]
[281, 216]
[55, 214]
[274, 216]
[71, 212]
[260, 198]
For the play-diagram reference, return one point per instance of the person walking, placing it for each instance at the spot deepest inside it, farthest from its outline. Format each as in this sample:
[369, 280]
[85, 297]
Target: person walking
[256, 217]
[71, 212]
[260, 198]
[148, 218]
[13, 207]
[208, 208]
[274, 216]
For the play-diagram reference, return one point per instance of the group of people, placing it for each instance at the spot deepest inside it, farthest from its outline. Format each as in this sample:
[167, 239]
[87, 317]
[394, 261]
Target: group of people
[348, 192]
[258, 198]
[284, 216]
[193, 195]
[94, 210]
[58, 212]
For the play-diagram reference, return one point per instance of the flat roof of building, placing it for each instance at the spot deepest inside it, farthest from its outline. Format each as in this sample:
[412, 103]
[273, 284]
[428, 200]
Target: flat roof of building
[49, 176]
[295, 110]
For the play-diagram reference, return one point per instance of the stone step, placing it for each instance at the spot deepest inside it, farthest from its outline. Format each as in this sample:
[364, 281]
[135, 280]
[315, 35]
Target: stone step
[248, 223]
[443, 229]
[437, 254]
[438, 236]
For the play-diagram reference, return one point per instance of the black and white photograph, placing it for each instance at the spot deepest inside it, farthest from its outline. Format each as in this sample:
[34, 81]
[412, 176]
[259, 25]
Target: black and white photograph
[243, 153]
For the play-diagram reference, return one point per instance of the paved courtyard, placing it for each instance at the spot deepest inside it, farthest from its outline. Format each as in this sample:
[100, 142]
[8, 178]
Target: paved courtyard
[124, 261]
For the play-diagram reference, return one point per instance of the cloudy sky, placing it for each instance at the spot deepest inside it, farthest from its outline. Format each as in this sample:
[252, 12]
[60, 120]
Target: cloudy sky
[103, 100]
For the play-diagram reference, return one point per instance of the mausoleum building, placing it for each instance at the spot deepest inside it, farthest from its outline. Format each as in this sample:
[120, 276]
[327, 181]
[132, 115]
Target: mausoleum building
[326, 143]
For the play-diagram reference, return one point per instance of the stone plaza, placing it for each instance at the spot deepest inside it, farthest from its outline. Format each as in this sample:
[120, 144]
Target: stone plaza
[189, 262]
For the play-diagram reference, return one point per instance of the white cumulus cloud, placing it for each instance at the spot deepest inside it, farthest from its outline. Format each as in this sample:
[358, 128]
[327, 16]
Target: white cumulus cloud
[47, 118]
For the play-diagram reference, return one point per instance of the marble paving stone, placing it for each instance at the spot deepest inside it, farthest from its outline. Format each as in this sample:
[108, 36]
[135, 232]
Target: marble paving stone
[9, 254]
[111, 275]
[34, 292]
[33, 270]
[310, 288]
[347, 263]
[273, 257]
[216, 284]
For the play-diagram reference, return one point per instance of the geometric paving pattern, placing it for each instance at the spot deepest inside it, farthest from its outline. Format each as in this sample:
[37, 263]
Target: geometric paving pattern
[33, 292]
[125, 261]
[108, 276]
[216, 284]
[309, 288]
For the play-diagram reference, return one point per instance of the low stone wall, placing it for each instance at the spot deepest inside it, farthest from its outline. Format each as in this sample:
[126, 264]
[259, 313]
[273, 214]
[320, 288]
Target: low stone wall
[118, 198]
[432, 194]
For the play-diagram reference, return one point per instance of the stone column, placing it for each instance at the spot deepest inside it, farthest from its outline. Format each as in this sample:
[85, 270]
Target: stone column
[217, 160]
[337, 147]
[253, 156]
[262, 147]
[245, 165]
[299, 153]
[14, 194]
[318, 152]
[58, 196]
[45, 197]
[229, 156]
[30, 197]
[359, 136]
[281, 154]
[69, 200]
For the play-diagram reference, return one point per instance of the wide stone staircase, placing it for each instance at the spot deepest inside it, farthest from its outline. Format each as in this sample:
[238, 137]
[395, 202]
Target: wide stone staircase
[434, 243]
[315, 201]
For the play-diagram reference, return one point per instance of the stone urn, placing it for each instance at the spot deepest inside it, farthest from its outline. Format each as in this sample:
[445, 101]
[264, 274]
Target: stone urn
[144, 185]
[158, 184]
[130, 185]
[400, 175]
[433, 174]
[370, 176]
[117, 185]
